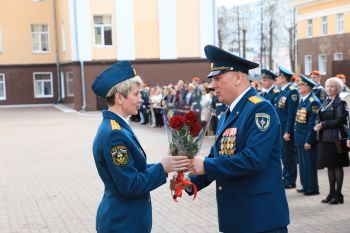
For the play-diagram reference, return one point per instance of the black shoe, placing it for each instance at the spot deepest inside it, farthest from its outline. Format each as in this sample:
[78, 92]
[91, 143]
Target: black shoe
[300, 190]
[289, 186]
[337, 199]
[328, 198]
[311, 193]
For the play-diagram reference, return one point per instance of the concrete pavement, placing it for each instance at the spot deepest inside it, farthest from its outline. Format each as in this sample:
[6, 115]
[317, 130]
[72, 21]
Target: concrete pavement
[49, 183]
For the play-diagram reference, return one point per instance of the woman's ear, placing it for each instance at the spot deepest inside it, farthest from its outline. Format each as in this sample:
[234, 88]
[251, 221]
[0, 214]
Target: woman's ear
[119, 98]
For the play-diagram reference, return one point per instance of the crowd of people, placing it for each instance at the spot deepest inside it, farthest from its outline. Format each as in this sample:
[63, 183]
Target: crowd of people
[300, 101]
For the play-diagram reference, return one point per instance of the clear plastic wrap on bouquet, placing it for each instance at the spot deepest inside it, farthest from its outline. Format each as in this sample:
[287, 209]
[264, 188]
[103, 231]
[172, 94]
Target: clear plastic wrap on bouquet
[185, 133]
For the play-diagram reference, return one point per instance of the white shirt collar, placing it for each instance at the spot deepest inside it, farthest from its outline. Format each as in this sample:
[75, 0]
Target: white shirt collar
[268, 90]
[305, 97]
[285, 86]
[235, 102]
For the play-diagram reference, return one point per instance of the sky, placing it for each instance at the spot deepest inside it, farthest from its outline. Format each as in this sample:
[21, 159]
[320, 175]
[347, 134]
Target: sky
[230, 3]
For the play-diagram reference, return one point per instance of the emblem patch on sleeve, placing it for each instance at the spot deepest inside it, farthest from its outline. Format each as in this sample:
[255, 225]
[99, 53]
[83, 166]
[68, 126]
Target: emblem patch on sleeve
[314, 109]
[262, 120]
[294, 97]
[119, 155]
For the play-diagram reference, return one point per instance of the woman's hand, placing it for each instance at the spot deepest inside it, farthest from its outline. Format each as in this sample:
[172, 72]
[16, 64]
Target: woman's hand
[175, 163]
[348, 143]
[318, 127]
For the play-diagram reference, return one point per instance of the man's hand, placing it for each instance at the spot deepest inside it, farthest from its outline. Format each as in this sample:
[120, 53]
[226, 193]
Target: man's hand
[197, 166]
[175, 163]
[286, 137]
[307, 146]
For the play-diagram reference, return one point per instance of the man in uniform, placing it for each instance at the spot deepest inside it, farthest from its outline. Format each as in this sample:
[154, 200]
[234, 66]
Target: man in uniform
[245, 158]
[342, 77]
[286, 104]
[318, 90]
[270, 91]
[305, 137]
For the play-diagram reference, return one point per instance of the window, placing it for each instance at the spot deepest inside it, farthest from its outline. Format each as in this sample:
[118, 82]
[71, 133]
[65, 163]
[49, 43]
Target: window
[63, 37]
[324, 26]
[103, 30]
[70, 83]
[338, 56]
[307, 64]
[322, 64]
[40, 37]
[309, 28]
[43, 85]
[2, 87]
[340, 23]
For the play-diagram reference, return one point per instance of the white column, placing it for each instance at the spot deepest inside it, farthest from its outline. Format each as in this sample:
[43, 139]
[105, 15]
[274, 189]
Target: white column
[207, 24]
[167, 29]
[124, 11]
[80, 22]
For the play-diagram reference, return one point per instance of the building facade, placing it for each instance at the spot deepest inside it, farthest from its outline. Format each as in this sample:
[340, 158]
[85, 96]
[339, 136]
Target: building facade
[323, 36]
[52, 50]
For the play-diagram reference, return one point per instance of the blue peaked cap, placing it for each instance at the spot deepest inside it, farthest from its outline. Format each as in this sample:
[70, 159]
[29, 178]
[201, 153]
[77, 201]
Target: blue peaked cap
[307, 81]
[111, 76]
[223, 61]
[269, 73]
[285, 72]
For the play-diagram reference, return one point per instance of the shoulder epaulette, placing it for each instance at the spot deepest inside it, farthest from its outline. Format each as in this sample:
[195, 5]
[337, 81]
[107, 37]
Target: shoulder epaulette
[291, 87]
[254, 99]
[275, 90]
[311, 99]
[115, 125]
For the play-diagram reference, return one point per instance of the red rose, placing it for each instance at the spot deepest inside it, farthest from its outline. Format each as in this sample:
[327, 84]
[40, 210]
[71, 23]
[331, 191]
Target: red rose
[195, 129]
[176, 122]
[190, 118]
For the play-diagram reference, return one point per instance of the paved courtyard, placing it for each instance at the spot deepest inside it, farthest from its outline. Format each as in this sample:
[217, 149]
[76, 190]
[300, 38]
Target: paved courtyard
[49, 183]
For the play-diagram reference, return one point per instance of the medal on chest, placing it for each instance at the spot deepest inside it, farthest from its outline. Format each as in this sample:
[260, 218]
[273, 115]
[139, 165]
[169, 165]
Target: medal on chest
[228, 142]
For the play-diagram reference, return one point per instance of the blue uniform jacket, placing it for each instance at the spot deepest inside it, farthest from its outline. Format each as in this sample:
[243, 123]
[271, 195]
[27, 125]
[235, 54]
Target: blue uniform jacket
[271, 95]
[286, 104]
[128, 179]
[305, 119]
[249, 189]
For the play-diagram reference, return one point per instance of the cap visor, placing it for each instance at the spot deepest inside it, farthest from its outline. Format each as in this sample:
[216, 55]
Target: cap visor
[215, 73]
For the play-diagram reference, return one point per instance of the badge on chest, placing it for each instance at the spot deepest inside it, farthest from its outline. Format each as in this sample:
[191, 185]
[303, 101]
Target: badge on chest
[228, 142]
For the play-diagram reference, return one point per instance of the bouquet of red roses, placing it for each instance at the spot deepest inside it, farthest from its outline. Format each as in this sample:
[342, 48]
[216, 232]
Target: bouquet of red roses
[185, 134]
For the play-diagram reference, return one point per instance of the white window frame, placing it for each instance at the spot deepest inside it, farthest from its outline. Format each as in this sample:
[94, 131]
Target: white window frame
[321, 62]
[102, 26]
[307, 64]
[338, 56]
[340, 23]
[63, 37]
[309, 28]
[3, 81]
[51, 85]
[40, 50]
[70, 85]
[63, 92]
[324, 25]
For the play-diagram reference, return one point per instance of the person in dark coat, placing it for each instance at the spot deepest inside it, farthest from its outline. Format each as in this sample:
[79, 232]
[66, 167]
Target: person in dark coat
[318, 90]
[270, 91]
[333, 116]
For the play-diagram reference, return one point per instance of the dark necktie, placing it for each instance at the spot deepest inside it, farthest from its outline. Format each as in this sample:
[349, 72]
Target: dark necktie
[228, 112]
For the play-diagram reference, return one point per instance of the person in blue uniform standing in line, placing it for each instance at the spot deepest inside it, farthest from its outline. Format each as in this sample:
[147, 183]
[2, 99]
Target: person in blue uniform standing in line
[120, 159]
[305, 137]
[267, 80]
[245, 158]
[318, 90]
[286, 104]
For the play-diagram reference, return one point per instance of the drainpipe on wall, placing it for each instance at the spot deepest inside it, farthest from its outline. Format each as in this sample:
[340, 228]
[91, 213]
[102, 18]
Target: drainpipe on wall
[56, 52]
[82, 73]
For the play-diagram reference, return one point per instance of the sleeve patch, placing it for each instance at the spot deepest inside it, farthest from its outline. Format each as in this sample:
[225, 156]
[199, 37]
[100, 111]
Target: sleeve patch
[119, 155]
[262, 121]
[294, 97]
[314, 109]
[115, 125]
[254, 99]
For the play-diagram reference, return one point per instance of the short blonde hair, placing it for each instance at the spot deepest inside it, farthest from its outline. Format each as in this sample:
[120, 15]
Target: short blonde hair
[123, 88]
[336, 82]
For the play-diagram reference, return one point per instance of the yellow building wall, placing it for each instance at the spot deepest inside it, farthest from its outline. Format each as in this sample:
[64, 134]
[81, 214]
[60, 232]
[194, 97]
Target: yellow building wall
[16, 19]
[322, 6]
[107, 8]
[62, 14]
[187, 28]
[146, 29]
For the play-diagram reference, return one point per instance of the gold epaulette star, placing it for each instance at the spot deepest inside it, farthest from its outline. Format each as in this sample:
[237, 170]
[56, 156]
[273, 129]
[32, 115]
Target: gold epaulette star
[115, 125]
